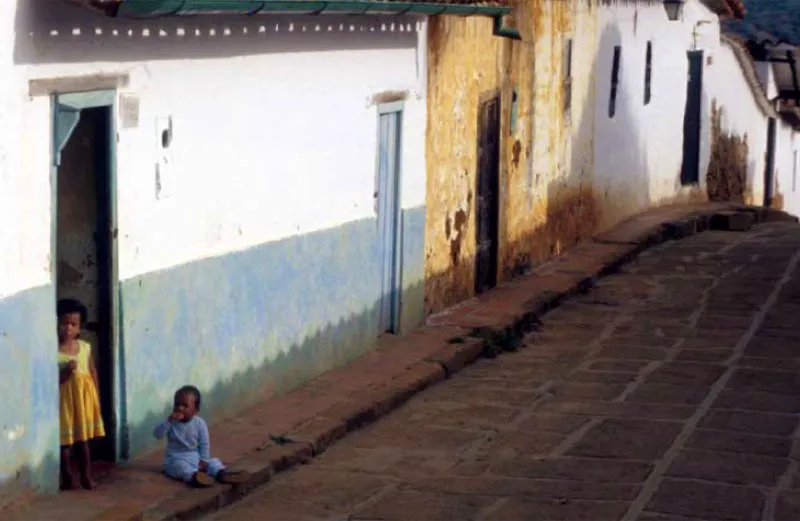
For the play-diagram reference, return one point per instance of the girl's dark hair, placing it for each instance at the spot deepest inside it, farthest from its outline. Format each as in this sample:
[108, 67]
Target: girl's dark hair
[194, 391]
[71, 305]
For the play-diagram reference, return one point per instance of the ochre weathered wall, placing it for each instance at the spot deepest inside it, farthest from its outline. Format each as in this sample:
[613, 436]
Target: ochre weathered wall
[546, 200]
[549, 201]
[464, 63]
[564, 175]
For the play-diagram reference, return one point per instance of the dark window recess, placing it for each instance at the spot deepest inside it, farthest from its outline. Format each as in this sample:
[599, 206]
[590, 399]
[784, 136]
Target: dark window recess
[612, 100]
[567, 80]
[648, 73]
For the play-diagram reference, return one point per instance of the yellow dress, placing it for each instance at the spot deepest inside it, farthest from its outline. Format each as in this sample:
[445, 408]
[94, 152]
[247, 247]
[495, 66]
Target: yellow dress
[80, 404]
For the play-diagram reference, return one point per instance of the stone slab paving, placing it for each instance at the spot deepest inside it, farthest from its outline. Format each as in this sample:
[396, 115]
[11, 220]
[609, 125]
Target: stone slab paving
[669, 392]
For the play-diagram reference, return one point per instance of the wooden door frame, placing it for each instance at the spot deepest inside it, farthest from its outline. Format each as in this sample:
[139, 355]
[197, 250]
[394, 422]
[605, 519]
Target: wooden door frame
[80, 101]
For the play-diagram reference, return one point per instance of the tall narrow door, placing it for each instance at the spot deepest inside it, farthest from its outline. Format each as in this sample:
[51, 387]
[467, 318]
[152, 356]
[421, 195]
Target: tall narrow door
[487, 198]
[388, 217]
[769, 166]
[690, 169]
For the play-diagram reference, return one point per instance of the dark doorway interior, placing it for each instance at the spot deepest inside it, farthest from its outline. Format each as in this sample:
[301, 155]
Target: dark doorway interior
[487, 195]
[690, 169]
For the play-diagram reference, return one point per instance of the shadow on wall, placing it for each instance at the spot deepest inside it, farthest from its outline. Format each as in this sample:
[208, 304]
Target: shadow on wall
[621, 134]
[602, 172]
[49, 31]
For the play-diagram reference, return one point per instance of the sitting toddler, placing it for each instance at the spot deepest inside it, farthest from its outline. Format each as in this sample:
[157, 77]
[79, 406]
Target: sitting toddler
[188, 455]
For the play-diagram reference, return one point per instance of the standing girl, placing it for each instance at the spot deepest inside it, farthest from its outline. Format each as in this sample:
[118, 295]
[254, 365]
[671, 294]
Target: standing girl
[79, 403]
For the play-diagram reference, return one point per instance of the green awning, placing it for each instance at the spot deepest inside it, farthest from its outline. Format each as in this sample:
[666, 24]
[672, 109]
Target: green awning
[159, 8]
[156, 8]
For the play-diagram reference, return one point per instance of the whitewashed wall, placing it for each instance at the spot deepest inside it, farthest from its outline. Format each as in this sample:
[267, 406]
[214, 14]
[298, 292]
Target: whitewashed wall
[641, 146]
[741, 114]
[25, 212]
[263, 128]
[787, 167]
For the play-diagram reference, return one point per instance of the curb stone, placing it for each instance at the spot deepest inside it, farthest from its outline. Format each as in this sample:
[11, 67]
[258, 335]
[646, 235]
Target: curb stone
[501, 326]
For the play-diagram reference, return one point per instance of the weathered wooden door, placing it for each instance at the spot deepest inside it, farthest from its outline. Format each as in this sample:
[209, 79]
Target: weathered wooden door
[487, 197]
[388, 201]
[690, 169]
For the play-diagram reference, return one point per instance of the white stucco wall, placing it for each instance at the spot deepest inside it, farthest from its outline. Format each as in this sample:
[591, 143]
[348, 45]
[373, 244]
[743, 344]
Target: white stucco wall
[792, 193]
[767, 78]
[741, 114]
[275, 127]
[24, 262]
[641, 146]
[787, 167]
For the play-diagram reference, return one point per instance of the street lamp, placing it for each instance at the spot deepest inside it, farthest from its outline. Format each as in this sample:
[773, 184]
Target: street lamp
[674, 8]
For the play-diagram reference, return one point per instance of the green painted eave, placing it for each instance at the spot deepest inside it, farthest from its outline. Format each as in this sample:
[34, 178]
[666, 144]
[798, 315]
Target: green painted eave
[158, 8]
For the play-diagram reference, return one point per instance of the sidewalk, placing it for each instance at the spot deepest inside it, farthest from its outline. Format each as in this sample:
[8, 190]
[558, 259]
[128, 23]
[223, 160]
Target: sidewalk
[314, 416]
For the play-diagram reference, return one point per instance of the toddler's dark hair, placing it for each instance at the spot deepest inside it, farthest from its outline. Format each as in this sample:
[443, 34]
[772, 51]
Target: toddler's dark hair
[71, 305]
[194, 391]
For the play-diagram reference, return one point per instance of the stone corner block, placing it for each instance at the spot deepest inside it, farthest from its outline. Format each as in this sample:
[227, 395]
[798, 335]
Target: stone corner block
[732, 221]
[680, 228]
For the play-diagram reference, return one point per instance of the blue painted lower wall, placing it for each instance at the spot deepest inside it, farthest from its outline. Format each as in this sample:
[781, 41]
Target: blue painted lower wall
[412, 276]
[29, 390]
[262, 320]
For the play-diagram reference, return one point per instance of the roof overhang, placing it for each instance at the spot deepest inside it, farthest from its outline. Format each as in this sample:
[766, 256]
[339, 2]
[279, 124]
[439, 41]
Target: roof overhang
[160, 8]
[785, 60]
[729, 9]
[790, 113]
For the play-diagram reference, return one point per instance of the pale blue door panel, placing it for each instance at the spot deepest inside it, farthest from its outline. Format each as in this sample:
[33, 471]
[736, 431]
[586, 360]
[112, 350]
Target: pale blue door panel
[388, 217]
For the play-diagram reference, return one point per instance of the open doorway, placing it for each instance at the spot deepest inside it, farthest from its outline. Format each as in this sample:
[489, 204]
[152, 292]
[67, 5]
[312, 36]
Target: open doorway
[692, 120]
[84, 235]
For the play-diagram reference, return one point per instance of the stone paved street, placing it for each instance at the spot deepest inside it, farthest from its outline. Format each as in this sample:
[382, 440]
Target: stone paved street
[669, 392]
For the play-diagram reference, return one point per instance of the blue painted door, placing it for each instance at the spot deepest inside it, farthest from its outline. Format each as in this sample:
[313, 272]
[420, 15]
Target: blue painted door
[388, 217]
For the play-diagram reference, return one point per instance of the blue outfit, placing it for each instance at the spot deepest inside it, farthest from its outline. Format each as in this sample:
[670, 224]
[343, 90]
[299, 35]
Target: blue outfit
[188, 444]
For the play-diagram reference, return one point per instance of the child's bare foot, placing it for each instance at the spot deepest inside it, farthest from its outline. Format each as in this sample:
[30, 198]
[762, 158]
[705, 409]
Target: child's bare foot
[88, 483]
[232, 477]
[202, 479]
